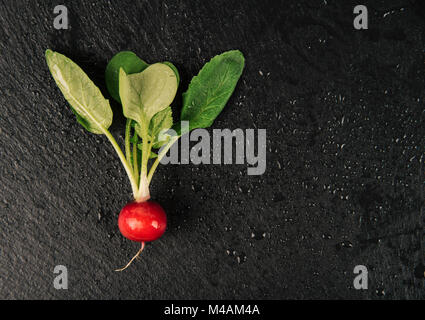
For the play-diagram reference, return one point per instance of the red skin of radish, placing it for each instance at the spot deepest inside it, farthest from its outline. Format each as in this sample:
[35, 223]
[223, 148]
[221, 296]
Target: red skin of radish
[142, 221]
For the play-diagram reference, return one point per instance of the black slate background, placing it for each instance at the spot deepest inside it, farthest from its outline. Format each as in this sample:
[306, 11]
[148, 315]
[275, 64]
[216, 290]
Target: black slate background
[344, 113]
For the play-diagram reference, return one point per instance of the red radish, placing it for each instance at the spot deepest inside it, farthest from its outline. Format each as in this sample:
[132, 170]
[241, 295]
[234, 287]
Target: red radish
[142, 222]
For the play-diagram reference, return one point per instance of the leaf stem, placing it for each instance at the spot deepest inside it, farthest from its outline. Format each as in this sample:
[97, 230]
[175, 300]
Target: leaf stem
[143, 193]
[124, 162]
[160, 156]
[135, 158]
[127, 141]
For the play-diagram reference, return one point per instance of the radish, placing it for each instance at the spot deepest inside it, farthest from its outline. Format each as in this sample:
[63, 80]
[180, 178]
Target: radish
[145, 93]
[142, 222]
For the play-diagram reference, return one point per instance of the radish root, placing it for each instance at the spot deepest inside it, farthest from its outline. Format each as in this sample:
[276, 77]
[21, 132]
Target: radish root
[132, 259]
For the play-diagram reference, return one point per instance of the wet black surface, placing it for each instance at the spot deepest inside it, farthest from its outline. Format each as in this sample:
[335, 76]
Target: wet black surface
[344, 113]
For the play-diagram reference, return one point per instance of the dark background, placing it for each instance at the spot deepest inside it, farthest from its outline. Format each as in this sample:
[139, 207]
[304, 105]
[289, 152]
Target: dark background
[344, 185]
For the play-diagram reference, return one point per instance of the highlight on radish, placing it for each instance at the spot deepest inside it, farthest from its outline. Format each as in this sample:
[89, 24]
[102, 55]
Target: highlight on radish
[145, 92]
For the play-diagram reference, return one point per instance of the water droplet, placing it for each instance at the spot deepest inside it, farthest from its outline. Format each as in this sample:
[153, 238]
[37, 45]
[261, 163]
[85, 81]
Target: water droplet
[380, 292]
[258, 235]
[344, 244]
[241, 258]
[244, 189]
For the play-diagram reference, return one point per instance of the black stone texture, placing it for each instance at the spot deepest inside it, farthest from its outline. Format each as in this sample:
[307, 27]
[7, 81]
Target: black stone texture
[344, 185]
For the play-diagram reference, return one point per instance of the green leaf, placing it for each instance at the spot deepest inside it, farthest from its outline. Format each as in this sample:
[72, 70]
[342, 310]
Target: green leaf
[129, 62]
[134, 138]
[210, 90]
[163, 120]
[145, 94]
[87, 102]
[159, 143]
[176, 72]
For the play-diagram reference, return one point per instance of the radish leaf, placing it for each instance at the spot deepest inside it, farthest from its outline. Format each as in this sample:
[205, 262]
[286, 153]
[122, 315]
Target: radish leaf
[176, 72]
[210, 90]
[92, 110]
[129, 62]
[147, 93]
[163, 120]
